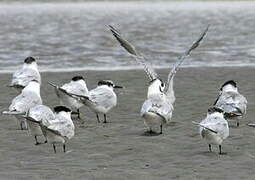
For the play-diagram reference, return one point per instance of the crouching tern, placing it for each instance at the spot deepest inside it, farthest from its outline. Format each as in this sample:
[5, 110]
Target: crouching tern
[59, 130]
[76, 86]
[28, 98]
[36, 115]
[27, 73]
[231, 101]
[214, 128]
[158, 107]
[101, 99]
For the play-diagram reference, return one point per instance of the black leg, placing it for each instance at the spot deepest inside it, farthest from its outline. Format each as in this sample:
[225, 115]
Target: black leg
[54, 147]
[64, 148]
[210, 147]
[105, 118]
[237, 123]
[98, 120]
[220, 149]
[78, 112]
[161, 129]
[45, 141]
[21, 126]
[36, 142]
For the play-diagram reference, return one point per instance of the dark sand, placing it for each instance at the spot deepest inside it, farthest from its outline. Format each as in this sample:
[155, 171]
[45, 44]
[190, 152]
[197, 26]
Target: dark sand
[118, 150]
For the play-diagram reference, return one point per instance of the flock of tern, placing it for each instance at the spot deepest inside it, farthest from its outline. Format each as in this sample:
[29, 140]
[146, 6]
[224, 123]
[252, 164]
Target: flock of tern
[56, 124]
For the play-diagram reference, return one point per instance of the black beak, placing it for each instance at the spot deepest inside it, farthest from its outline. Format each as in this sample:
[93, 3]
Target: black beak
[116, 86]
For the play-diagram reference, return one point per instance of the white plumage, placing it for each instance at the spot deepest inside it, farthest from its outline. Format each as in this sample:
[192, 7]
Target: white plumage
[231, 101]
[214, 128]
[27, 73]
[29, 97]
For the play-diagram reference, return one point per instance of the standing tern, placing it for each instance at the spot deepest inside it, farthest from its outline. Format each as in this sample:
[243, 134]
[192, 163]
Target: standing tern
[157, 109]
[36, 115]
[61, 129]
[214, 128]
[101, 99]
[27, 73]
[29, 97]
[231, 101]
[76, 86]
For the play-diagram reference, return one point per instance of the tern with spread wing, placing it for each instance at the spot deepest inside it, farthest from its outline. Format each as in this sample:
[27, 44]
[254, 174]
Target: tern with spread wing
[231, 101]
[157, 109]
[76, 86]
[28, 98]
[59, 130]
[36, 115]
[27, 73]
[214, 128]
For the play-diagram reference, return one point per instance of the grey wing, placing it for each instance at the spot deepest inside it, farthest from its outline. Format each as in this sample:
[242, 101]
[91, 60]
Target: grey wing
[75, 88]
[24, 76]
[180, 60]
[41, 113]
[158, 107]
[216, 124]
[64, 129]
[103, 97]
[138, 57]
[24, 101]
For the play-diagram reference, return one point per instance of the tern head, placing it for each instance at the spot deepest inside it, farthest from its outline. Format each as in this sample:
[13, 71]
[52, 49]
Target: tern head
[229, 86]
[108, 83]
[77, 78]
[214, 109]
[29, 60]
[156, 86]
[63, 110]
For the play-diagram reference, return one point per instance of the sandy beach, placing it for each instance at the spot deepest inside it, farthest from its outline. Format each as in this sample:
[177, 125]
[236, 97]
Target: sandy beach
[119, 150]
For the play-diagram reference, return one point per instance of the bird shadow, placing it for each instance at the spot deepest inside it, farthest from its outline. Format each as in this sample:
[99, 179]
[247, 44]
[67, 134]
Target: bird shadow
[150, 133]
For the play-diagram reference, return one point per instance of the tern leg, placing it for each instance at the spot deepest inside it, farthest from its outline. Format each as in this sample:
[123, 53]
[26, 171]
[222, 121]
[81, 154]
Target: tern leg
[237, 123]
[210, 147]
[98, 120]
[54, 147]
[105, 118]
[64, 148]
[220, 149]
[78, 112]
[161, 129]
[36, 142]
[45, 141]
[21, 126]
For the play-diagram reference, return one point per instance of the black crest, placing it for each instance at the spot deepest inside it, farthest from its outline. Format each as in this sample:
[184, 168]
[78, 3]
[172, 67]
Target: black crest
[214, 109]
[29, 60]
[58, 109]
[77, 78]
[105, 82]
[232, 82]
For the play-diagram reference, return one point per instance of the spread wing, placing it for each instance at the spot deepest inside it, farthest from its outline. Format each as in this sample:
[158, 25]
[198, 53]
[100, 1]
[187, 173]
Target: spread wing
[23, 76]
[138, 57]
[24, 101]
[180, 60]
[103, 97]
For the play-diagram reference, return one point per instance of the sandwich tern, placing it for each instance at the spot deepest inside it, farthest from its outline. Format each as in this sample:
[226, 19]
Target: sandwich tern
[35, 116]
[101, 99]
[60, 129]
[158, 107]
[76, 86]
[27, 73]
[231, 101]
[214, 128]
[29, 97]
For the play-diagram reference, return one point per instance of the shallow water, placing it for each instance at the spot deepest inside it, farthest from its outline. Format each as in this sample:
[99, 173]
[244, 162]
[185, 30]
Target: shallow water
[75, 36]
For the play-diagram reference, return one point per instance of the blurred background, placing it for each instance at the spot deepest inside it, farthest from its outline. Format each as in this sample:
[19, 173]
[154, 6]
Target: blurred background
[74, 35]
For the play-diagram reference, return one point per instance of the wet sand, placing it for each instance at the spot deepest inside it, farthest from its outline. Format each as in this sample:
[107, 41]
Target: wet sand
[119, 150]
